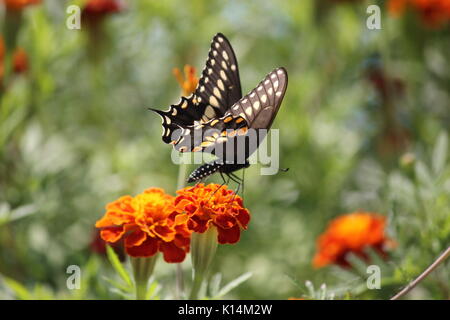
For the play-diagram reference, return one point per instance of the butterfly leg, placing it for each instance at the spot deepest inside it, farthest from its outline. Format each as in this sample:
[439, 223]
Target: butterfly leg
[235, 192]
[224, 181]
[234, 178]
[239, 182]
[223, 178]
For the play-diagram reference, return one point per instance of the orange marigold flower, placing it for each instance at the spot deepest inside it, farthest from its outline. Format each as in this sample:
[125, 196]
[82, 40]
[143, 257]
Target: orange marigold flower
[213, 206]
[189, 82]
[20, 61]
[354, 233]
[434, 13]
[19, 4]
[148, 223]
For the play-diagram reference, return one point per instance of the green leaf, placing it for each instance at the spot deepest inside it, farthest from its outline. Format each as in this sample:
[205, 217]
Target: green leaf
[23, 211]
[152, 290]
[423, 174]
[117, 285]
[440, 153]
[8, 215]
[233, 284]
[214, 284]
[359, 266]
[20, 291]
[118, 266]
[121, 293]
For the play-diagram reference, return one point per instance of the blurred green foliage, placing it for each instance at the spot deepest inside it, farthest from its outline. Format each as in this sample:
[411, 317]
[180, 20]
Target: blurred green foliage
[75, 134]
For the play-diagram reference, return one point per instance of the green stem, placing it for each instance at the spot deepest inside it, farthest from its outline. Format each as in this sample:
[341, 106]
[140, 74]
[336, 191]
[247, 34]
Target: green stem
[182, 172]
[142, 271]
[141, 291]
[204, 247]
[196, 285]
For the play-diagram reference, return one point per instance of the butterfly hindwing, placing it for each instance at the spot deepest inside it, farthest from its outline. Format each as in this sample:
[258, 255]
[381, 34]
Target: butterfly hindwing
[260, 106]
[256, 110]
[207, 136]
[179, 115]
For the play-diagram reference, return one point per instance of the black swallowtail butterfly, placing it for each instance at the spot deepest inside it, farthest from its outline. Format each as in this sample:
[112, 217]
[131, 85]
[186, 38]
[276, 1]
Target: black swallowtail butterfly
[217, 119]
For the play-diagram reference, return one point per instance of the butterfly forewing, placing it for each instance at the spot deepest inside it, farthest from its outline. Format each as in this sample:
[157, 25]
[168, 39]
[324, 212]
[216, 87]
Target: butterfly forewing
[220, 85]
[218, 88]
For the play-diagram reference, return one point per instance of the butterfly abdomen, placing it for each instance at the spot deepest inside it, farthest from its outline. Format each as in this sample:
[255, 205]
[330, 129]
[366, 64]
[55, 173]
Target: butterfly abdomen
[205, 171]
[213, 167]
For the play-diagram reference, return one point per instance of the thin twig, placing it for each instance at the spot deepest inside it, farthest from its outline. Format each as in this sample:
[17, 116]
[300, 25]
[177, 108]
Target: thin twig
[424, 274]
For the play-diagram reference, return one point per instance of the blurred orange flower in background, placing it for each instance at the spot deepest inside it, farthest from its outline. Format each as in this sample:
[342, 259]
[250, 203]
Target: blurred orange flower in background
[351, 233]
[95, 10]
[2, 57]
[434, 13]
[20, 61]
[189, 82]
[208, 206]
[19, 4]
[148, 223]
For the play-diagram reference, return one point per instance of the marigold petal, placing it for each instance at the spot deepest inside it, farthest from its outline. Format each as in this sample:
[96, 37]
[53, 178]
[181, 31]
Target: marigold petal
[230, 235]
[112, 234]
[182, 241]
[135, 238]
[243, 217]
[147, 249]
[164, 232]
[124, 203]
[225, 221]
[197, 225]
[181, 219]
[105, 221]
[118, 218]
[172, 253]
